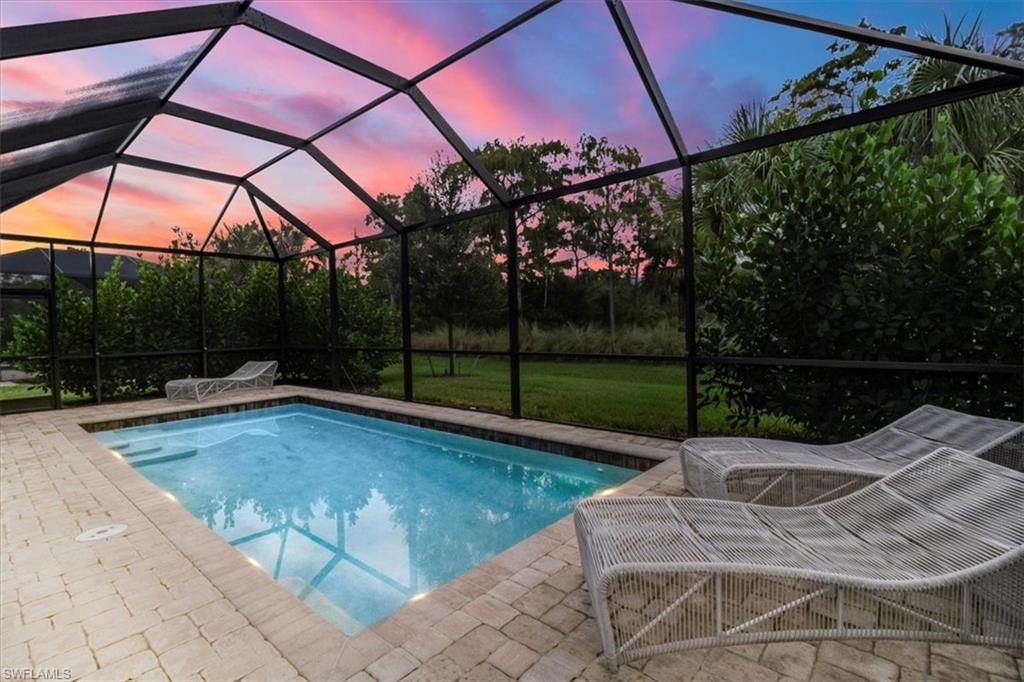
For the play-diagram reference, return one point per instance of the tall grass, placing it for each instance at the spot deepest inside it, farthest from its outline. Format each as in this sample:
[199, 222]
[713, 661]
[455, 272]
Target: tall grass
[661, 339]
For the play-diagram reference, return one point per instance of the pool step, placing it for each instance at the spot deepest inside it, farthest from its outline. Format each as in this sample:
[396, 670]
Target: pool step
[167, 457]
[128, 452]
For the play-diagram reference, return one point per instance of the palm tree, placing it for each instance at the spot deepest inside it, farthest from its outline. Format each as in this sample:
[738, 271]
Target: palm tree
[987, 130]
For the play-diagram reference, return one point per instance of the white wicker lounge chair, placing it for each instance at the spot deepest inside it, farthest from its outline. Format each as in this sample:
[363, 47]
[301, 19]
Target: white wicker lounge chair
[782, 473]
[934, 551]
[248, 376]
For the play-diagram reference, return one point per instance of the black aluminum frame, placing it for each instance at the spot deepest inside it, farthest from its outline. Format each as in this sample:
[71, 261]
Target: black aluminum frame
[21, 41]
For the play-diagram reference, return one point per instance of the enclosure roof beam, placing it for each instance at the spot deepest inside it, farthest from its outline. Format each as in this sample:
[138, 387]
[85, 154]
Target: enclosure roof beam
[423, 75]
[103, 202]
[483, 40]
[318, 47]
[958, 93]
[178, 169]
[865, 35]
[74, 34]
[223, 210]
[231, 125]
[643, 67]
[315, 251]
[263, 225]
[75, 122]
[286, 214]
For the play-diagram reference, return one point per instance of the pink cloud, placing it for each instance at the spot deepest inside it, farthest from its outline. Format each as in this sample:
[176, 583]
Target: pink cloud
[258, 79]
[384, 149]
[401, 36]
[179, 141]
[313, 195]
[144, 205]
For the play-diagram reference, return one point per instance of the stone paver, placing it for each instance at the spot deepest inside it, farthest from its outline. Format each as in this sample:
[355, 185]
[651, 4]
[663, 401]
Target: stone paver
[513, 658]
[171, 600]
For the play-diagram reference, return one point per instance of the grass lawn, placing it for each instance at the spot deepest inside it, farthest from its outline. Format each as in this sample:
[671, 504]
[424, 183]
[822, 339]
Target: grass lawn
[630, 395]
[21, 391]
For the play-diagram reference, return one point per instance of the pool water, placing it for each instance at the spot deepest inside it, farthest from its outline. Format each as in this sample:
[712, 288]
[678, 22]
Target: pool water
[356, 515]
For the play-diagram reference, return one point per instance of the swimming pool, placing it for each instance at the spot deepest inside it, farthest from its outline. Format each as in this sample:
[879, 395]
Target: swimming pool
[356, 515]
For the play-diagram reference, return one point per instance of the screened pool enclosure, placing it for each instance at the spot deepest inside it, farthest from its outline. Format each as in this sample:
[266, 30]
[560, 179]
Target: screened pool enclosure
[588, 212]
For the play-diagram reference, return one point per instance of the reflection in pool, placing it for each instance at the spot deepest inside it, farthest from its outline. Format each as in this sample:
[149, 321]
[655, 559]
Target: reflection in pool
[356, 515]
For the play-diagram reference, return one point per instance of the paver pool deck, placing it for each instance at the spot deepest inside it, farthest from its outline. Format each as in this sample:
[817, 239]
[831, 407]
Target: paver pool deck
[170, 599]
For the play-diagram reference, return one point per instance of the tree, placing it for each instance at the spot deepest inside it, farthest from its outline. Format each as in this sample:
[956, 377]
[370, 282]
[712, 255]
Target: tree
[608, 219]
[454, 276]
[523, 169]
[844, 83]
[988, 131]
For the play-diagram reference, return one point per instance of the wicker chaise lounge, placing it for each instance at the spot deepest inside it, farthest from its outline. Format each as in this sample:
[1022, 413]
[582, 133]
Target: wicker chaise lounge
[934, 551]
[792, 474]
[248, 376]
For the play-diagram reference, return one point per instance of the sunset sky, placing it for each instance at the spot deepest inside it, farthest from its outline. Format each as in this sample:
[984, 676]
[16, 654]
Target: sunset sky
[560, 75]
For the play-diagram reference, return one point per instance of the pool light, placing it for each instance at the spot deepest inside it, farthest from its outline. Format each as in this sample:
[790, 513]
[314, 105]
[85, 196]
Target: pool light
[417, 597]
[254, 562]
[170, 497]
[607, 491]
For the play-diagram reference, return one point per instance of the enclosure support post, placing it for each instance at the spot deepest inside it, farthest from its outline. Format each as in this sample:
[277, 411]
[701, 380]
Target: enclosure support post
[403, 275]
[332, 339]
[512, 263]
[690, 292]
[54, 346]
[95, 324]
[202, 314]
[282, 319]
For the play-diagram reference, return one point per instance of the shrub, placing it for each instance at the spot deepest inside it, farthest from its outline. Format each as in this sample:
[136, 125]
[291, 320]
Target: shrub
[856, 253]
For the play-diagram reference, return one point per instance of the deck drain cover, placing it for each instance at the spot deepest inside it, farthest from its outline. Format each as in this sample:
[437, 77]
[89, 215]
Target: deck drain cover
[102, 532]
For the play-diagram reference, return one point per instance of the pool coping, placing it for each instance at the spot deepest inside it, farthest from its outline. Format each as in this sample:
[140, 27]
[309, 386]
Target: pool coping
[605, 447]
[315, 647]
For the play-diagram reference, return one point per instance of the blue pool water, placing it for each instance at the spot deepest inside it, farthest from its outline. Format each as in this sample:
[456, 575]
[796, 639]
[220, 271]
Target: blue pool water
[356, 515]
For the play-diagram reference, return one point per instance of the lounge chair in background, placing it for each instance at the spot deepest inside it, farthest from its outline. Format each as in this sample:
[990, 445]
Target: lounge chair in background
[249, 376]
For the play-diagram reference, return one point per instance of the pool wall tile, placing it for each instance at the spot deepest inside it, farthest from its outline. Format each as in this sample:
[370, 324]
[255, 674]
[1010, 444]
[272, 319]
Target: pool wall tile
[593, 448]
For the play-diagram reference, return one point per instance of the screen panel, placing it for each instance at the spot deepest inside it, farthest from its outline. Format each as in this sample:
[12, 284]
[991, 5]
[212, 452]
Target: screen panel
[287, 238]
[240, 230]
[542, 82]
[631, 395]
[727, 78]
[241, 304]
[258, 79]
[600, 272]
[34, 89]
[307, 190]
[153, 208]
[391, 149]
[427, 31]
[168, 138]
[67, 211]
